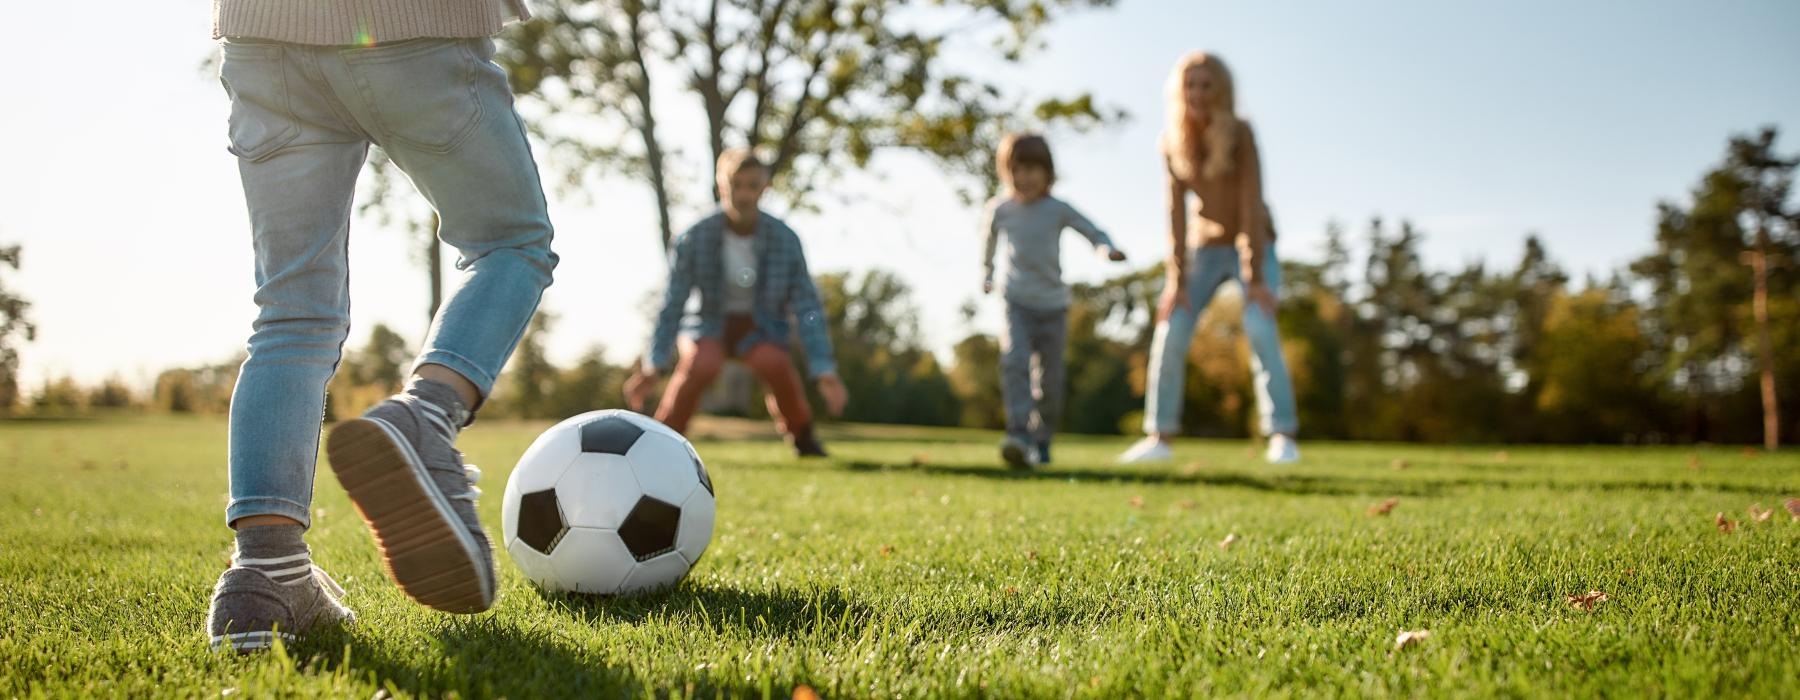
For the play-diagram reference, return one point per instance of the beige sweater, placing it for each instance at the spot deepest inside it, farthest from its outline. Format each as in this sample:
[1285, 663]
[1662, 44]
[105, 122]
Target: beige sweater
[361, 22]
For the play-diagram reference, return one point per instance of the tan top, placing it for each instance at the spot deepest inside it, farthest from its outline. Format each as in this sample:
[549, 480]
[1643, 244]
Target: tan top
[1228, 210]
[361, 22]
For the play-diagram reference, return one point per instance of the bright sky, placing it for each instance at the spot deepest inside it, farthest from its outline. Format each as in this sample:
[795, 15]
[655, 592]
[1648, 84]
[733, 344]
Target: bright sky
[1481, 122]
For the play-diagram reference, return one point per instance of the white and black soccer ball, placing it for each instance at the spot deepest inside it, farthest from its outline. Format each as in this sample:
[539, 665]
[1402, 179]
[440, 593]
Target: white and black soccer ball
[608, 502]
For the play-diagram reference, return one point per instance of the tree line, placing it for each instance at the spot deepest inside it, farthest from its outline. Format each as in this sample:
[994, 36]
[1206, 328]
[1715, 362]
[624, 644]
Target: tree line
[1696, 341]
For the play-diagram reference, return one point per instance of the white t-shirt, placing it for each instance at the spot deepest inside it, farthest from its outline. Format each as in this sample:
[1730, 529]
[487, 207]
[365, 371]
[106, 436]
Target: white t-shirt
[740, 273]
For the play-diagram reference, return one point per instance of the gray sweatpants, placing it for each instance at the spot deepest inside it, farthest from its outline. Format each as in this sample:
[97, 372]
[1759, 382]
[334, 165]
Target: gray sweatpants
[1031, 370]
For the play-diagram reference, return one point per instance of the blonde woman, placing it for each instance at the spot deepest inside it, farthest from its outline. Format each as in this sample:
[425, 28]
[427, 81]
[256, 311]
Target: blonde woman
[1210, 153]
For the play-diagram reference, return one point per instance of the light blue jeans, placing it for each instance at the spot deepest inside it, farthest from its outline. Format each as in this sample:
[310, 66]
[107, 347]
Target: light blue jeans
[302, 120]
[1209, 267]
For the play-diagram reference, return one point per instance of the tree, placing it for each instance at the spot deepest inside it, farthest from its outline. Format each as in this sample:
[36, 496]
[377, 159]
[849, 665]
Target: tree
[822, 85]
[1576, 362]
[530, 378]
[385, 199]
[881, 357]
[1695, 318]
[15, 327]
[1769, 179]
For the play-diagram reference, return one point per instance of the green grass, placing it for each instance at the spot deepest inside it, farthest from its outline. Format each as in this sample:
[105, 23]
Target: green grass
[911, 564]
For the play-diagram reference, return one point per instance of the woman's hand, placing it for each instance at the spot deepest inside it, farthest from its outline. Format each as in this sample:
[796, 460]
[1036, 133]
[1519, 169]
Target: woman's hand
[1174, 296]
[1262, 296]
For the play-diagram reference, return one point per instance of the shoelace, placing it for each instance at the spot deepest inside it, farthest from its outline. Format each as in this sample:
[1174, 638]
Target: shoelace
[325, 580]
[473, 474]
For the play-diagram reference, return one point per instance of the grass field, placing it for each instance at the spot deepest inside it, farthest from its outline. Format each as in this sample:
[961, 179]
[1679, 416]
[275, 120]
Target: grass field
[911, 564]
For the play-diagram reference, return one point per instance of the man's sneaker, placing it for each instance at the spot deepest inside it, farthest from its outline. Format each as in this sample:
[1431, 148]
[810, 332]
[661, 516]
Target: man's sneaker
[807, 445]
[1149, 449]
[1015, 453]
[400, 466]
[1282, 450]
[250, 610]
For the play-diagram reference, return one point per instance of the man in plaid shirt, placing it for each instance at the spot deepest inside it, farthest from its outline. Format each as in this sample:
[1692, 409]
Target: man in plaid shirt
[751, 274]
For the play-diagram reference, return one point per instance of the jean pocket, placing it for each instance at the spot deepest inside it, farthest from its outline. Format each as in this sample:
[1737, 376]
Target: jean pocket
[421, 93]
[255, 78]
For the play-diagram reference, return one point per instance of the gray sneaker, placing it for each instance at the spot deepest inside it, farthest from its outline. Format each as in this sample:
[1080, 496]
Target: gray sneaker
[400, 465]
[250, 610]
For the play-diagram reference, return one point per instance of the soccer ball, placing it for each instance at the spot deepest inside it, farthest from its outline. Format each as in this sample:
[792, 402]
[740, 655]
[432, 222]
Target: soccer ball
[607, 502]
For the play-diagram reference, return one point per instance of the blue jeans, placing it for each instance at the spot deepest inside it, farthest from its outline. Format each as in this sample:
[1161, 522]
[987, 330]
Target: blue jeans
[302, 121]
[1032, 374]
[1209, 267]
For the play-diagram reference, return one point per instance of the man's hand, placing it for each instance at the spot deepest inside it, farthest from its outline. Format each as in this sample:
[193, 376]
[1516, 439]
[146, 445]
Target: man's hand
[639, 386]
[1260, 295]
[836, 396]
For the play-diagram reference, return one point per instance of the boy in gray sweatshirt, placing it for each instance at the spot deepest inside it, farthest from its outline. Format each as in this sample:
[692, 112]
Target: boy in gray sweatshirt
[1037, 301]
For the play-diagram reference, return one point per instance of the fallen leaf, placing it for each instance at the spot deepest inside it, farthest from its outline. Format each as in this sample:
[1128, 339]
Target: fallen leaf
[1749, 452]
[805, 692]
[1502, 456]
[1760, 514]
[1229, 539]
[886, 550]
[1012, 590]
[1384, 507]
[1137, 501]
[1410, 637]
[1192, 468]
[1188, 504]
[1031, 554]
[920, 460]
[1586, 601]
[1400, 464]
[1726, 525]
[1694, 462]
[1793, 507]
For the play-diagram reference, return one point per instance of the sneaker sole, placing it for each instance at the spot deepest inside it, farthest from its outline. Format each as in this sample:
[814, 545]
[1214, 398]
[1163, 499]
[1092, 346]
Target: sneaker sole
[424, 545]
[1014, 455]
[243, 642]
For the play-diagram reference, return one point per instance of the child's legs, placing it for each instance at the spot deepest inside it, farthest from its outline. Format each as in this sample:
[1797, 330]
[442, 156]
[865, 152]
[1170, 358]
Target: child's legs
[699, 365]
[1274, 389]
[442, 110]
[772, 364]
[298, 166]
[1015, 371]
[1049, 337]
[1167, 376]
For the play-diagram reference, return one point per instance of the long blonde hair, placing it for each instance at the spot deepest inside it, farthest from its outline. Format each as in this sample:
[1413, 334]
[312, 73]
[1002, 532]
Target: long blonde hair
[1181, 142]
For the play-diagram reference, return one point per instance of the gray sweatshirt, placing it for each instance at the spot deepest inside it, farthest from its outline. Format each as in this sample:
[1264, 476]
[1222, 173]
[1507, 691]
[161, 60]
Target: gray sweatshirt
[1032, 274]
[361, 22]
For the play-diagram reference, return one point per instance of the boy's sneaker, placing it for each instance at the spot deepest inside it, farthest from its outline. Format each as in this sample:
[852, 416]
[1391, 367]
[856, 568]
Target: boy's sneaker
[1282, 450]
[1043, 452]
[400, 466]
[1149, 449]
[250, 610]
[1015, 453]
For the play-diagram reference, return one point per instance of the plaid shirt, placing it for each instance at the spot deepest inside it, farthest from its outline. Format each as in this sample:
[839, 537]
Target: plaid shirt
[783, 287]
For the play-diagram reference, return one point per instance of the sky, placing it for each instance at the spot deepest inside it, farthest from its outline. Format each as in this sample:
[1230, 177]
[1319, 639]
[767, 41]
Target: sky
[1481, 123]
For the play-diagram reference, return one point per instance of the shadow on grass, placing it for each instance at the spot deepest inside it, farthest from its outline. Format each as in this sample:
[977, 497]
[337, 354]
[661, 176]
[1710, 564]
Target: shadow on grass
[475, 657]
[1293, 481]
[783, 614]
[1298, 484]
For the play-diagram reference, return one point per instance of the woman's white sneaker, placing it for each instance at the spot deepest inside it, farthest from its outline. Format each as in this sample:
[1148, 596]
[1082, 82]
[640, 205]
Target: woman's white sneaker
[1149, 449]
[1282, 450]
